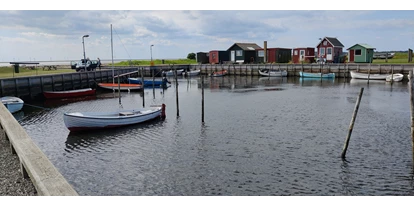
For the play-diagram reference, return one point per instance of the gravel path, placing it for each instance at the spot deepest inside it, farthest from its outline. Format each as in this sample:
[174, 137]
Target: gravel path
[12, 182]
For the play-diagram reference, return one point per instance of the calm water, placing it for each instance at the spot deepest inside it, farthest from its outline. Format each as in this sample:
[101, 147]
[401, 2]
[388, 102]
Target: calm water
[260, 137]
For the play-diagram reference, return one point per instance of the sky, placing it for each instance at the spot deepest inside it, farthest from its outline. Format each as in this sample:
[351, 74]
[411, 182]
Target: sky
[45, 31]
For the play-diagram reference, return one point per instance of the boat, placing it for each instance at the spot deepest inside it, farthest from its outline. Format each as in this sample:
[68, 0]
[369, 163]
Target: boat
[273, 73]
[192, 73]
[219, 73]
[13, 104]
[395, 77]
[121, 86]
[118, 86]
[316, 75]
[80, 121]
[149, 82]
[373, 76]
[69, 93]
[171, 72]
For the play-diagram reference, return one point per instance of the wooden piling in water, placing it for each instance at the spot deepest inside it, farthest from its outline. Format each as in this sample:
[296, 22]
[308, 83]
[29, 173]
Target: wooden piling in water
[351, 126]
[142, 83]
[410, 83]
[392, 74]
[369, 72]
[176, 92]
[202, 99]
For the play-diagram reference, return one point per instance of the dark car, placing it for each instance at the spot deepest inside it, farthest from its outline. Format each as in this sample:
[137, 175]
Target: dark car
[85, 65]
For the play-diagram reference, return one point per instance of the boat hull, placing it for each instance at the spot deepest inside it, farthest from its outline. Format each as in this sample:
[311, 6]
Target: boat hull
[146, 82]
[374, 76]
[219, 73]
[192, 73]
[13, 104]
[316, 75]
[171, 72]
[122, 86]
[80, 121]
[69, 94]
[273, 73]
[395, 78]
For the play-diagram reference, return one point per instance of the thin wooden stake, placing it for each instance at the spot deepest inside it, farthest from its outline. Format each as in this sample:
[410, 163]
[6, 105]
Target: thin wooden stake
[176, 93]
[142, 83]
[369, 72]
[202, 99]
[410, 81]
[351, 126]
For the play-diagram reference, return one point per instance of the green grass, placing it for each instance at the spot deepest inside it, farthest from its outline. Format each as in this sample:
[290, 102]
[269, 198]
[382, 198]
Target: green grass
[156, 62]
[399, 58]
[7, 72]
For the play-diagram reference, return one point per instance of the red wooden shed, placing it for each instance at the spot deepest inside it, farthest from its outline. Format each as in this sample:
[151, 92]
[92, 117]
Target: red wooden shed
[218, 56]
[330, 48]
[305, 54]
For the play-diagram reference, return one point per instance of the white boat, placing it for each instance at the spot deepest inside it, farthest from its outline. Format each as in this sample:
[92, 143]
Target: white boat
[171, 72]
[395, 78]
[192, 73]
[273, 73]
[13, 104]
[372, 76]
[78, 121]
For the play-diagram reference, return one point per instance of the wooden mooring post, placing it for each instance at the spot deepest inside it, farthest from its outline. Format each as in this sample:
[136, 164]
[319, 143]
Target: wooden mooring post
[202, 99]
[369, 72]
[410, 83]
[351, 126]
[143, 92]
[176, 92]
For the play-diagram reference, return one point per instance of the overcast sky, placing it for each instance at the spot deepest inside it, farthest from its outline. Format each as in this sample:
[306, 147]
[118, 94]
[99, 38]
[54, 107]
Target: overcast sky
[57, 34]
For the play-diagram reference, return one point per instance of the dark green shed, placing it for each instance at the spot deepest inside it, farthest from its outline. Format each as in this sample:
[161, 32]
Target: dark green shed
[243, 52]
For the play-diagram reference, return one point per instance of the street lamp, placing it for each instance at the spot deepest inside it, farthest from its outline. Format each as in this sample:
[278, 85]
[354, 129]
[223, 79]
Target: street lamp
[151, 51]
[83, 43]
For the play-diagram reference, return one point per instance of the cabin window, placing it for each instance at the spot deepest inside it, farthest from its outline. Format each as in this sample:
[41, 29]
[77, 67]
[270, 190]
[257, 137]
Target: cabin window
[239, 52]
[358, 52]
[295, 52]
[261, 53]
[325, 43]
[329, 51]
[322, 51]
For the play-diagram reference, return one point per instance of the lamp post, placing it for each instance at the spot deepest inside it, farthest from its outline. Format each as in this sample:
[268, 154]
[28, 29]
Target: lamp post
[151, 51]
[83, 43]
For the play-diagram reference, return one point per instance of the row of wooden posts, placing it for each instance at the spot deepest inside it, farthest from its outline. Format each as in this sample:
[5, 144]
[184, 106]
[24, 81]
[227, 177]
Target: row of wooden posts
[351, 126]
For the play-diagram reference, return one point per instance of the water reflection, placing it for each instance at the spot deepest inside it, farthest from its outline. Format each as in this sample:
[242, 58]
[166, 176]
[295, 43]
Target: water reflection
[253, 142]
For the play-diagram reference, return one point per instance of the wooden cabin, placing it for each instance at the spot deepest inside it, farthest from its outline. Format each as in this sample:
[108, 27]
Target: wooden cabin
[330, 49]
[243, 52]
[303, 55]
[274, 55]
[202, 57]
[360, 53]
[218, 56]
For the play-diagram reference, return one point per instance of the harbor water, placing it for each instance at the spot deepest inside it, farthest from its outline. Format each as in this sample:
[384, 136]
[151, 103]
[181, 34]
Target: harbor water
[261, 136]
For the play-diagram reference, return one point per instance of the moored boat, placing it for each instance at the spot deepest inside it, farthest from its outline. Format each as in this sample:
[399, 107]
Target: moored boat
[219, 73]
[122, 86]
[171, 72]
[80, 121]
[395, 77]
[192, 73]
[316, 75]
[13, 104]
[69, 93]
[149, 82]
[273, 73]
[372, 76]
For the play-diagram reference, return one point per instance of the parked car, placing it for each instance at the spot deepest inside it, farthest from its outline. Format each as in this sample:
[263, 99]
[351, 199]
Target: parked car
[85, 65]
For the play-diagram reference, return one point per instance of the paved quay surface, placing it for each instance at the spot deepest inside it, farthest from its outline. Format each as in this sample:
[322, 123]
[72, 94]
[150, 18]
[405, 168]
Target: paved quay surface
[12, 182]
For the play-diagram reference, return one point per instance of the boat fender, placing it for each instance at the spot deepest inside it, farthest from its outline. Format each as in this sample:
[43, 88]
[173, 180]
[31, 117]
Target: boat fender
[163, 111]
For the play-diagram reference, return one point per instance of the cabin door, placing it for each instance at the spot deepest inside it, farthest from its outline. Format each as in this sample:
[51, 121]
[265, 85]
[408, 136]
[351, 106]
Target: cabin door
[301, 55]
[329, 54]
[351, 56]
[233, 56]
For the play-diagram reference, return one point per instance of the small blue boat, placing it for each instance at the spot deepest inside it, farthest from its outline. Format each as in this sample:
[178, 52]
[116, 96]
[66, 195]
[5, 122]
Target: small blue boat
[13, 104]
[316, 75]
[149, 82]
